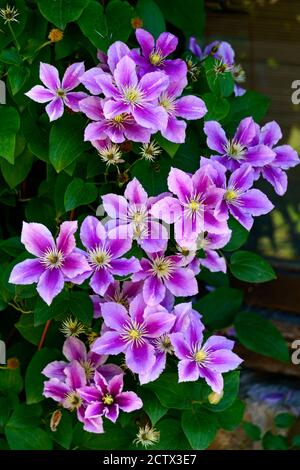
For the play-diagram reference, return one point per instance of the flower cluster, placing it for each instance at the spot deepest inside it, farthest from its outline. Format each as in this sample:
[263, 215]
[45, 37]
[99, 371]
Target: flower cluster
[134, 93]
[225, 56]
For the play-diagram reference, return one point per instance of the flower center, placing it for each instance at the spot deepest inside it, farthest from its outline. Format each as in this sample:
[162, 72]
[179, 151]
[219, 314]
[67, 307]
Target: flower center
[185, 251]
[155, 58]
[235, 150]
[107, 399]
[163, 344]
[61, 93]
[230, 195]
[100, 257]
[132, 95]
[162, 267]
[73, 401]
[138, 215]
[200, 356]
[52, 258]
[89, 369]
[194, 205]
[166, 102]
[119, 118]
[134, 333]
[238, 74]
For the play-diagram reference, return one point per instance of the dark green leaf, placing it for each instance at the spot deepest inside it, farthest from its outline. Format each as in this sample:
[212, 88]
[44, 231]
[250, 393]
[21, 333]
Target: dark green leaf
[93, 25]
[188, 16]
[9, 126]
[220, 306]
[231, 389]
[153, 21]
[17, 77]
[151, 405]
[239, 235]
[261, 336]
[79, 193]
[153, 176]
[272, 442]
[250, 267]
[170, 147]
[252, 431]
[200, 427]
[61, 12]
[64, 432]
[10, 56]
[171, 436]
[250, 104]
[217, 107]
[296, 440]
[34, 379]
[16, 173]
[10, 381]
[231, 418]
[118, 17]
[284, 420]
[221, 84]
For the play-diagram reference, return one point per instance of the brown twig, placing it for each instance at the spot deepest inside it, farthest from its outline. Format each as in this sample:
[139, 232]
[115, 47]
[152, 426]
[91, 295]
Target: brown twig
[44, 334]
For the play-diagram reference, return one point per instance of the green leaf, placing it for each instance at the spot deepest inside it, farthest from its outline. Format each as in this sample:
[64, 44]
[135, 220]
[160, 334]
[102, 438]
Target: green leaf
[114, 438]
[188, 16]
[118, 16]
[250, 267]
[172, 394]
[81, 307]
[12, 246]
[231, 418]
[261, 336]
[61, 12]
[200, 427]
[239, 235]
[17, 77]
[66, 141]
[218, 279]
[34, 380]
[10, 381]
[250, 104]
[22, 431]
[5, 408]
[9, 126]
[217, 107]
[16, 173]
[296, 441]
[187, 156]
[272, 442]
[221, 84]
[153, 20]
[153, 176]
[170, 147]
[79, 193]
[151, 405]
[252, 431]
[171, 436]
[219, 307]
[284, 420]
[64, 432]
[10, 56]
[93, 25]
[28, 330]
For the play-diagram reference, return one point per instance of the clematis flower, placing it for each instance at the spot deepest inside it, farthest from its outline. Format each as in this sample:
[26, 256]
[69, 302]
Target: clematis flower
[184, 314]
[56, 262]
[153, 57]
[193, 211]
[133, 212]
[75, 350]
[104, 251]
[132, 332]
[106, 398]
[161, 273]
[187, 107]
[208, 360]
[285, 157]
[117, 293]
[117, 129]
[66, 392]
[238, 150]
[239, 199]
[127, 95]
[56, 91]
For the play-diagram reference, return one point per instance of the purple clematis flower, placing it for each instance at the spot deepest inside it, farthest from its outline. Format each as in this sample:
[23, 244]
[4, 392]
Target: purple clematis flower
[57, 261]
[66, 392]
[193, 211]
[208, 360]
[104, 250]
[75, 350]
[162, 273]
[184, 314]
[106, 398]
[285, 157]
[132, 332]
[187, 107]
[153, 57]
[238, 150]
[117, 129]
[117, 293]
[58, 92]
[133, 212]
[127, 95]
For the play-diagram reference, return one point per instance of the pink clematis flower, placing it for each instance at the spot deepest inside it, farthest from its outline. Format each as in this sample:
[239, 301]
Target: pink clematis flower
[58, 93]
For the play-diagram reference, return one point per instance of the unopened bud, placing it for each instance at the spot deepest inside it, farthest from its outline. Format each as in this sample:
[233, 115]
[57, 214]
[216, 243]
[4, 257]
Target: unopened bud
[13, 363]
[214, 398]
[55, 35]
[55, 420]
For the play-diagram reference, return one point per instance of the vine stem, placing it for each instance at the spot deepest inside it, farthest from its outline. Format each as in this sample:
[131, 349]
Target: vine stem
[14, 36]
[44, 334]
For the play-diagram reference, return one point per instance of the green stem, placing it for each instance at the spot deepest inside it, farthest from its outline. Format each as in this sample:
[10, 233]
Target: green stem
[19, 309]
[14, 36]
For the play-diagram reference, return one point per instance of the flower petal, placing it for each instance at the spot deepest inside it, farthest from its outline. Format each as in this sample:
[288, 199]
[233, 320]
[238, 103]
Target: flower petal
[125, 266]
[95, 131]
[26, 272]
[71, 78]
[153, 291]
[213, 379]
[109, 343]
[255, 202]
[129, 401]
[159, 323]
[74, 349]
[49, 76]
[55, 109]
[36, 238]
[150, 116]
[90, 80]
[259, 155]
[73, 99]
[180, 184]
[115, 53]
[216, 137]
[166, 43]
[100, 281]
[242, 178]
[270, 134]
[75, 375]
[180, 346]
[56, 390]
[188, 371]
[115, 315]
[245, 132]
[139, 357]
[55, 370]
[65, 241]
[224, 360]
[92, 107]
[115, 206]
[277, 178]
[182, 283]
[175, 130]
[135, 192]
[125, 73]
[92, 232]
[40, 94]
[145, 40]
[112, 108]
[190, 107]
[50, 284]
[153, 84]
